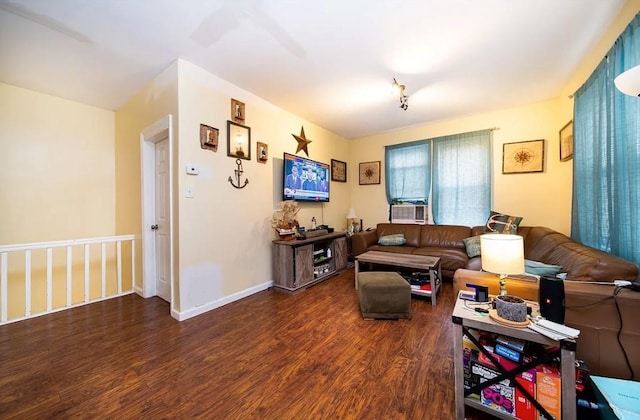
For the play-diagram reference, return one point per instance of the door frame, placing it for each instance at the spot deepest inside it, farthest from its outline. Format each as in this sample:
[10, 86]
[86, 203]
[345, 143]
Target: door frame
[160, 130]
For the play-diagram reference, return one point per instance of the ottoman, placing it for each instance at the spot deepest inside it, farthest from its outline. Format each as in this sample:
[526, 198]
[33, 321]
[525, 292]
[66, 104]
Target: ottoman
[384, 295]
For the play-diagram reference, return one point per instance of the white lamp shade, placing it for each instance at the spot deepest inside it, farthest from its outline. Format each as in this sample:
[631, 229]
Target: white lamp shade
[629, 81]
[352, 214]
[502, 253]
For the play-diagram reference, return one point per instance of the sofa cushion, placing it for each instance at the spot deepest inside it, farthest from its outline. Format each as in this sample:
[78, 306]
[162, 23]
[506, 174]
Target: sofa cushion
[445, 236]
[502, 223]
[411, 232]
[541, 269]
[472, 245]
[395, 239]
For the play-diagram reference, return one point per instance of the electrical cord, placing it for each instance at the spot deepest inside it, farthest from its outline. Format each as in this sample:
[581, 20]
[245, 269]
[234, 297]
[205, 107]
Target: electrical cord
[481, 307]
[615, 299]
[624, 352]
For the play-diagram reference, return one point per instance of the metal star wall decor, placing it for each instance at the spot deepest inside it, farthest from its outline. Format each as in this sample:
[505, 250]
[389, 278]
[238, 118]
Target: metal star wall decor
[302, 142]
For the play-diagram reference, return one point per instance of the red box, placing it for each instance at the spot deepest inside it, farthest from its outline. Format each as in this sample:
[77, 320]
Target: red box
[525, 410]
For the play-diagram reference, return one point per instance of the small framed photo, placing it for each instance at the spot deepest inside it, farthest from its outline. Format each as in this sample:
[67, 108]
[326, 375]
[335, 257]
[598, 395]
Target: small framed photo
[262, 152]
[566, 142]
[208, 138]
[523, 157]
[238, 141]
[338, 170]
[237, 111]
[370, 173]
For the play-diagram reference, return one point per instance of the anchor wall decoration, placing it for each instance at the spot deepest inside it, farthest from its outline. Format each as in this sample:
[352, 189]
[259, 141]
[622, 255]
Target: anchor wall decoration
[238, 173]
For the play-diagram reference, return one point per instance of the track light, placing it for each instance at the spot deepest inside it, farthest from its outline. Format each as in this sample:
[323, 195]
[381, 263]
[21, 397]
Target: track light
[398, 89]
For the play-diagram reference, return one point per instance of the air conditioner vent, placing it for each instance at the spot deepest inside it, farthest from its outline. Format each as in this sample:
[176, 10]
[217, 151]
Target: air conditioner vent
[409, 213]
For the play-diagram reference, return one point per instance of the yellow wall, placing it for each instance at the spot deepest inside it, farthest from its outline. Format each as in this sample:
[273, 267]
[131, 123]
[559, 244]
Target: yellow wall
[541, 198]
[225, 233]
[154, 101]
[56, 168]
[56, 183]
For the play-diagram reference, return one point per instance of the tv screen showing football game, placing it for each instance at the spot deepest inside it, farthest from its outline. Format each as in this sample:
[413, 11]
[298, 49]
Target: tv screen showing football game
[305, 179]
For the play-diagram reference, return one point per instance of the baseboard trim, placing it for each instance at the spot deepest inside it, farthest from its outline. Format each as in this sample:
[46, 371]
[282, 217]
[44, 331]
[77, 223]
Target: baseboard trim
[199, 310]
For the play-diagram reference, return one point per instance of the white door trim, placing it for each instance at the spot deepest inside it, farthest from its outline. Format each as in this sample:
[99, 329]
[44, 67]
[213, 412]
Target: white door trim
[160, 130]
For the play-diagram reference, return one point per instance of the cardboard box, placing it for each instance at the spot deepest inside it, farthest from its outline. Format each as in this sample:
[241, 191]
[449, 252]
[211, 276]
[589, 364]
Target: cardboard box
[549, 390]
[500, 396]
[525, 410]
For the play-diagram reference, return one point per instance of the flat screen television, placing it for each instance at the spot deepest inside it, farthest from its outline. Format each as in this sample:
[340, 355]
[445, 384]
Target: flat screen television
[305, 179]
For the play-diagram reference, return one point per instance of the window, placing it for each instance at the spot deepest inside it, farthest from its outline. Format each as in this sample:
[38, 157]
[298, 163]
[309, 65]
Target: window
[460, 167]
[408, 172]
[462, 179]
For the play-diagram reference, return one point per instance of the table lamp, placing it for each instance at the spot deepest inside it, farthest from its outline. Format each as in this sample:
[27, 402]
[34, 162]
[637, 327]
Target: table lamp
[351, 220]
[502, 254]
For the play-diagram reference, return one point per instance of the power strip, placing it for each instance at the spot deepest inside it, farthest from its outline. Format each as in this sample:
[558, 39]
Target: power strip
[622, 283]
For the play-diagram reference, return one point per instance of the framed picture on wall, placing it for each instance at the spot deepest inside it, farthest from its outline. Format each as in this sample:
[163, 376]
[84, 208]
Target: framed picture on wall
[370, 173]
[238, 141]
[237, 111]
[522, 157]
[208, 137]
[566, 142]
[262, 151]
[338, 170]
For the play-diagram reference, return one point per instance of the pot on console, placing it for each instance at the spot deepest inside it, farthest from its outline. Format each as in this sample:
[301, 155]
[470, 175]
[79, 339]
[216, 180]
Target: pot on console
[511, 308]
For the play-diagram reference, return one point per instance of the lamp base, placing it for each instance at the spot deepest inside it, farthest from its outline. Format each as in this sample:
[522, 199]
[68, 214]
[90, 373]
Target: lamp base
[503, 285]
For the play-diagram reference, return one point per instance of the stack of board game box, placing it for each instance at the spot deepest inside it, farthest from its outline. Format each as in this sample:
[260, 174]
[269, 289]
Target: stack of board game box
[542, 382]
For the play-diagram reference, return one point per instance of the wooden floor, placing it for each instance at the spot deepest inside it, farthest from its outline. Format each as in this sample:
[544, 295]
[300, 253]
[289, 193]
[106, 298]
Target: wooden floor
[268, 356]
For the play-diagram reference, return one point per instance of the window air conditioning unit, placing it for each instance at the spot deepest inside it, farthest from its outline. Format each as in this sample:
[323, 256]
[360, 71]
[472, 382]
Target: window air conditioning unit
[409, 213]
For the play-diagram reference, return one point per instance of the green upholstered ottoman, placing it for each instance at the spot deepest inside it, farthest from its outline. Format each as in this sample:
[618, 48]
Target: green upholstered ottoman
[384, 295]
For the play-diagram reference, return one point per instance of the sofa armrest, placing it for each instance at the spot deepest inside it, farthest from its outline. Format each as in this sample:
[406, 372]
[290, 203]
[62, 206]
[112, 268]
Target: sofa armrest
[363, 240]
[526, 289]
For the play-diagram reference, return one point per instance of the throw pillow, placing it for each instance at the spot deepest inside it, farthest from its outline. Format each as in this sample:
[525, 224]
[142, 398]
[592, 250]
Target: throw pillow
[541, 269]
[472, 245]
[396, 239]
[502, 223]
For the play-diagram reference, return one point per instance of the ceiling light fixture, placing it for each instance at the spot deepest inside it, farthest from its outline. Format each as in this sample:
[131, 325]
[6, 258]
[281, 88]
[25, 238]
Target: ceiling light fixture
[398, 89]
[629, 81]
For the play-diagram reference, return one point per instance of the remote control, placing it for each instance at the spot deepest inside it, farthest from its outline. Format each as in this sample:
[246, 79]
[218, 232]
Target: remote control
[562, 329]
[547, 333]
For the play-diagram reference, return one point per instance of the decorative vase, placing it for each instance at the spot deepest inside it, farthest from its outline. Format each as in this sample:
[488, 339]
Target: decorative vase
[511, 308]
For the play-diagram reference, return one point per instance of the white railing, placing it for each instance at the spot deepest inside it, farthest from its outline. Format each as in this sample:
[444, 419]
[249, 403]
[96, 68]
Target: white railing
[9, 274]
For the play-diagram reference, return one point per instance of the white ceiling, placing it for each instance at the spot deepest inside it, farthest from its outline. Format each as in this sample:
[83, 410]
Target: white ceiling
[329, 61]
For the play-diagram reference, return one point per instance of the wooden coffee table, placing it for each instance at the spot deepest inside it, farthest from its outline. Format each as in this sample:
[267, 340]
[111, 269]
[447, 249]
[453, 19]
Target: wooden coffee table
[419, 262]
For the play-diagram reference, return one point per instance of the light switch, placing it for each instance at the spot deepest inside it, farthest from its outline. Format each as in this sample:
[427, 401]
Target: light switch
[190, 193]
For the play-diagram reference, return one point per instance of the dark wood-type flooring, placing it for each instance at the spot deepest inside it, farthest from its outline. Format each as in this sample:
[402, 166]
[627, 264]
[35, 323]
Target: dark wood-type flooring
[268, 356]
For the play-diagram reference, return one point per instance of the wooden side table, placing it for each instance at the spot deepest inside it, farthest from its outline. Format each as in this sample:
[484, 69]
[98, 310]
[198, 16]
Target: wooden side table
[465, 319]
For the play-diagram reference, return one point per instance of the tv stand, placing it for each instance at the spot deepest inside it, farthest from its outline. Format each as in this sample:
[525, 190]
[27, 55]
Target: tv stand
[298, 264]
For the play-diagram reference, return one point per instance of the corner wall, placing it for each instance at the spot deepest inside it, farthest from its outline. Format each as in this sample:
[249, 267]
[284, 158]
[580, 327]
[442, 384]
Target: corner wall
[155, 100]
[540, 198]
[225, 233]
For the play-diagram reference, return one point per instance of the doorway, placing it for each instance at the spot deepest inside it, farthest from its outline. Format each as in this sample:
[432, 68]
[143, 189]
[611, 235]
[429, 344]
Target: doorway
[156, 142]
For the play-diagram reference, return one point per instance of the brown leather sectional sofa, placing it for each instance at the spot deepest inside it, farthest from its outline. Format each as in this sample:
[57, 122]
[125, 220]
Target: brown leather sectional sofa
[597, 310]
